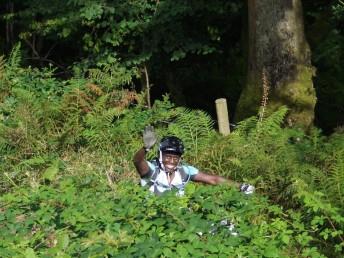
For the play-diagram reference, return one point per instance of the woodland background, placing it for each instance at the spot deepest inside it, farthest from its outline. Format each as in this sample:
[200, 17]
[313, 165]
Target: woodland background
[188, 48]
[79, 80]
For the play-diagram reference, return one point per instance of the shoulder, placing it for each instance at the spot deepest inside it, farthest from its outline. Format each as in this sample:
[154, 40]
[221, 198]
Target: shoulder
[191, 170]
[152, 164]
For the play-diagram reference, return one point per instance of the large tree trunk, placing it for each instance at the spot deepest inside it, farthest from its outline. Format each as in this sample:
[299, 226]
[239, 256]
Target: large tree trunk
[9, 26]
[277, 45]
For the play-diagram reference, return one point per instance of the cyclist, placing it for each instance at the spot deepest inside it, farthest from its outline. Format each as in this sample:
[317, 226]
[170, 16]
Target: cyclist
[166, 172]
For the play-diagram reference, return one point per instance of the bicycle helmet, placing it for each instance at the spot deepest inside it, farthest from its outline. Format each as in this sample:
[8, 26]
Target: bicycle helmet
[171, 144]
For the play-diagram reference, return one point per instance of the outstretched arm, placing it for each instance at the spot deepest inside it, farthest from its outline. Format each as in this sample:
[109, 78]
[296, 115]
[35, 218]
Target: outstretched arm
[213, 179]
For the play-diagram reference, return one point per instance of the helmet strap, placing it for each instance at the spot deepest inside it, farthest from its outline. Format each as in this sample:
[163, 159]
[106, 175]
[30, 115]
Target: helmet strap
[162, 167]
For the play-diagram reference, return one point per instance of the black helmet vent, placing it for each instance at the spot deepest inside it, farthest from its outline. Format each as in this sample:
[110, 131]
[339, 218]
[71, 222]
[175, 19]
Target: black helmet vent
[171, 144]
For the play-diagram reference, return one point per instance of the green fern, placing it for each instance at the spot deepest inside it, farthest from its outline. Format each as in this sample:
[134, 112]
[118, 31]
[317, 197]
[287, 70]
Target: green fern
[246, 126]
[2, 67]
[14, 59]
[334, 184]
[99, 125]
[112, 76]
[23, 95]
[271, 125]
[4, 146]
[195, 128]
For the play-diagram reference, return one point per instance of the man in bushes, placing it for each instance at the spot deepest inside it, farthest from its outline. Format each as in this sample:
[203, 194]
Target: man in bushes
[166, 172]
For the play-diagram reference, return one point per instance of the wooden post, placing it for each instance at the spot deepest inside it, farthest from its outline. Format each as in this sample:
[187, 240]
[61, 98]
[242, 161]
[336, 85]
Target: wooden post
[222, 116]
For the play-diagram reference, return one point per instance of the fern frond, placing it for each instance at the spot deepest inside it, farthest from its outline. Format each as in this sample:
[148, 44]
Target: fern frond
[4, 147]
[100, 105]
[103, 118]
[15, 57]
[76, 101]
[2, 67]
[335, 181]
[112, 76]
[194, 127]
[272, 124]
[23, 96]
[99, 124]
[246, 126]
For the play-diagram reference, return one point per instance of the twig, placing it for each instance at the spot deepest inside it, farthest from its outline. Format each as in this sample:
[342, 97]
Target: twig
[156, 6]
[334, 228]
[49, 61]
[109, 178]
[147, 86]
[10, 179]
[32, 46]
[50, 49]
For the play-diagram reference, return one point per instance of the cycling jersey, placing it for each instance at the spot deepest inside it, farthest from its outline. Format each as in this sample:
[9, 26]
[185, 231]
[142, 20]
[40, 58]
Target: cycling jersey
[158, 180]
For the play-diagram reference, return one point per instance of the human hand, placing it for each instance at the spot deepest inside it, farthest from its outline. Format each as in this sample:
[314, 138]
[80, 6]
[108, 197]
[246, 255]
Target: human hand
[247, 188]
[149, 137]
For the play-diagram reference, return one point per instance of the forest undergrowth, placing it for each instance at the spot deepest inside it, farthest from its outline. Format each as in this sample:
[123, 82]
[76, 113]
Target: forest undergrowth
[69, 189]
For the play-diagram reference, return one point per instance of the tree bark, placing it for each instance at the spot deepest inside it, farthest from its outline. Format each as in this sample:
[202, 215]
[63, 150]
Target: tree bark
[9, 26]
[277, 44]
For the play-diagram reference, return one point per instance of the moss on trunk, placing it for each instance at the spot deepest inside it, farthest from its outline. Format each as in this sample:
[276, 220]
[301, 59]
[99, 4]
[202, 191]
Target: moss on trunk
[277, 45]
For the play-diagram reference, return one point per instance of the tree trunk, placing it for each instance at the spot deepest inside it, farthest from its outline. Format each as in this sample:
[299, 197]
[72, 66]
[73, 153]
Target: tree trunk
[9, 26]
[277, 44]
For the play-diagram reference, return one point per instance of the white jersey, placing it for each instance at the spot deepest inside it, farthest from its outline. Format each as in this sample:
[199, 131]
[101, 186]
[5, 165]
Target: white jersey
[158, 179]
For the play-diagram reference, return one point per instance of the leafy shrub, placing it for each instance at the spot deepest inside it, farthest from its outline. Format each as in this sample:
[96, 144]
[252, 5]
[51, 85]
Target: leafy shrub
[52, 129]
[84, 218]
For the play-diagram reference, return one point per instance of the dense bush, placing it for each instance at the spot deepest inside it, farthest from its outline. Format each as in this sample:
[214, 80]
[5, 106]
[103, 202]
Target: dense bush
[89, 219]
[89, 129]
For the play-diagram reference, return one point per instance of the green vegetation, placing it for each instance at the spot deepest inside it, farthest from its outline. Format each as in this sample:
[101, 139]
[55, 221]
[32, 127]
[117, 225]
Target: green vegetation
[71, 119]
[69, 188]
[188, 48]
[86, 218]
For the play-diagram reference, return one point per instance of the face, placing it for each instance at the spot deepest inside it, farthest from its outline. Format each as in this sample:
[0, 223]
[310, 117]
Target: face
[170, 161]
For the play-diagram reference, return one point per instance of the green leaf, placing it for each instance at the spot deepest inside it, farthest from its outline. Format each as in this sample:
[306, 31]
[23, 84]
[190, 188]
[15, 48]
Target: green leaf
[285, 239]
[66, 32]
[271, 251]
[167, 252]
[35, 161]
[51, 171]
[212, 249]
[63, 241]
[182, 251]
[30, 253]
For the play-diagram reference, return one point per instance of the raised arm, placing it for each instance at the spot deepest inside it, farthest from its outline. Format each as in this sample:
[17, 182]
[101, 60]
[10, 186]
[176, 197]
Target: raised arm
[149, 139]
[140, 162]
